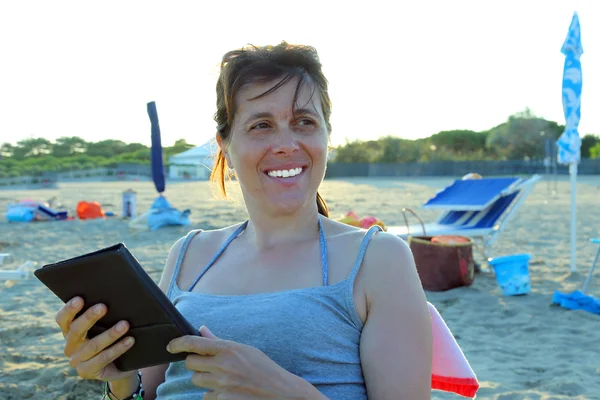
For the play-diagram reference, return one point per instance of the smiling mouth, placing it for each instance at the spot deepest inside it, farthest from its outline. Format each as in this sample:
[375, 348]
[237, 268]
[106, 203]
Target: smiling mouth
[285, 173]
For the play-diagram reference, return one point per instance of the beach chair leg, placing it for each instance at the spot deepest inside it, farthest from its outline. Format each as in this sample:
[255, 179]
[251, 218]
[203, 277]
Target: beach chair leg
[5, 258]
[589, 277]
[484, 250]
[481, 249]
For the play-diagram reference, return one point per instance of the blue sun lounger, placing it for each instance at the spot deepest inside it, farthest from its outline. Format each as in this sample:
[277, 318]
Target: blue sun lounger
[478, 209]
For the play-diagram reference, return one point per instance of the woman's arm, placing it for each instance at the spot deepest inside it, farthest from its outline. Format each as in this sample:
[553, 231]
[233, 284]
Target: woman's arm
[152, 377]
[396, 343]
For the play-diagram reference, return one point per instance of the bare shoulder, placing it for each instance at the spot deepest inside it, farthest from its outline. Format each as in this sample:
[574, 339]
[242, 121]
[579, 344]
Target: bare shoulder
[386, 248]
[389, 264]
[387, 255]
[382, 247]
[346, 232]
[201, 240]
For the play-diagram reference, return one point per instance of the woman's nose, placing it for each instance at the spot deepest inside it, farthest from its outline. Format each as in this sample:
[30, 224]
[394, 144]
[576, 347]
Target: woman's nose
[285, 142]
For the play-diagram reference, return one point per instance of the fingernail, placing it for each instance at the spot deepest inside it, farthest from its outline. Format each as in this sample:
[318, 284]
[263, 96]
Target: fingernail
[129, 341]
[98, 309]
[169, 347]
[76, 302]
[121, 326]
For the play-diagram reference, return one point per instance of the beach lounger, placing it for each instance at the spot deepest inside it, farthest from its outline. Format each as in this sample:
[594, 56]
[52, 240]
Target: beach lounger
[23, 271]
[478, 209]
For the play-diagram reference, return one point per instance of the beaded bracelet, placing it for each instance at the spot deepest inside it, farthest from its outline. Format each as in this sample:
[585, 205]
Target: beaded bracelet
[137, 395]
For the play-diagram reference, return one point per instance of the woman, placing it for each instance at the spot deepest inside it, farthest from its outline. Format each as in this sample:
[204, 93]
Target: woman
[301, 306]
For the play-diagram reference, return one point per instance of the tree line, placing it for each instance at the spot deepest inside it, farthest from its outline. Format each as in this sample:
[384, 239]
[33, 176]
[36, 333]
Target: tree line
[521, 136]
[36, 155]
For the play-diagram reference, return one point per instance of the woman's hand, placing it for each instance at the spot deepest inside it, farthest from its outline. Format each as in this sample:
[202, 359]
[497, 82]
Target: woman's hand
[236, 371]
[93, 358]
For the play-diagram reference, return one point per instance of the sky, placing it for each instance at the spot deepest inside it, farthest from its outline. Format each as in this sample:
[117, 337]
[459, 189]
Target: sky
[402, 68]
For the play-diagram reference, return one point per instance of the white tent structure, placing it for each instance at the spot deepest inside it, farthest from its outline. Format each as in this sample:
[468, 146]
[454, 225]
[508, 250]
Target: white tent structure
[194, 163]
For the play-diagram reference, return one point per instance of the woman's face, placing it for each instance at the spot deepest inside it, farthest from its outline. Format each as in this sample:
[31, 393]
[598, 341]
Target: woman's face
[279, 156]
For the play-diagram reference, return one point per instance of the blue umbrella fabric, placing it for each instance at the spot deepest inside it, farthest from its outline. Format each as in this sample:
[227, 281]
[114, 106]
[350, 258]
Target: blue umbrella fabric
[156, 153]
[577, 301]
[569, 152]
[161, 213]
[569, 143]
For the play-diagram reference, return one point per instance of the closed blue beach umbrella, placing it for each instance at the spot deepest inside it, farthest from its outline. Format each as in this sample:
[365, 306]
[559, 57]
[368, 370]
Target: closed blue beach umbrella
[569, 143]
[156, 153]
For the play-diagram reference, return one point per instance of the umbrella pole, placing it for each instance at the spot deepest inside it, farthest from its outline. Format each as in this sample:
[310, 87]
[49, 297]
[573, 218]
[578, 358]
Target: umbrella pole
[573, 173]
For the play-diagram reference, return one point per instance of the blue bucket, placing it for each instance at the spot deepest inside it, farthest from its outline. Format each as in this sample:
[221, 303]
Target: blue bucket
[512, 273]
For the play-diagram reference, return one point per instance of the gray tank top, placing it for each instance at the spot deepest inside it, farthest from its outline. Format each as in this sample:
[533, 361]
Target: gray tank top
[313, 333]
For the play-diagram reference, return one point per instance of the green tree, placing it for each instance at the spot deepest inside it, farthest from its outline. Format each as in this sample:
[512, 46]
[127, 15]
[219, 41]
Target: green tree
[521, 136]
[32, 148]
[106, 148]
[397, 150]
[67, 146]
[355, 152]
[595, 151]
[588, 142]
[6, 150]
[459, 141]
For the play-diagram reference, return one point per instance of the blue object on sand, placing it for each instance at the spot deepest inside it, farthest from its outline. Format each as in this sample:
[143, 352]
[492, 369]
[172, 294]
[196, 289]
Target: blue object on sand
[20, 214]
[163, 214]
[577, 301]
[512, 273]
[52, 214]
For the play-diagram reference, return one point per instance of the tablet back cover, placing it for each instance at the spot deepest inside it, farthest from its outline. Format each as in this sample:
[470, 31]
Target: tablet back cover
[114, 277]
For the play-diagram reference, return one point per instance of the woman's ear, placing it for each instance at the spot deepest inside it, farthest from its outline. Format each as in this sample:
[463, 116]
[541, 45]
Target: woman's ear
[224, 150]
[228, 159]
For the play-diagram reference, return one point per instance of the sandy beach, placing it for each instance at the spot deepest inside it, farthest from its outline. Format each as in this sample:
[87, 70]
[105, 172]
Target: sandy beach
[520, 347]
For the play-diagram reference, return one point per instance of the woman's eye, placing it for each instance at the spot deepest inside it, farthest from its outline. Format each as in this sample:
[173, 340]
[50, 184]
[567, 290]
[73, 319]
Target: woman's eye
[261, 125]
[306, 122]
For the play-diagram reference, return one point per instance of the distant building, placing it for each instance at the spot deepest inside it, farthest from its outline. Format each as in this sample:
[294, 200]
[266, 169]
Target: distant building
[194, 163]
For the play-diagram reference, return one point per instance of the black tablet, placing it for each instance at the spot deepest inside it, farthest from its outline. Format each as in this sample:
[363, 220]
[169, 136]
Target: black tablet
[114, 277]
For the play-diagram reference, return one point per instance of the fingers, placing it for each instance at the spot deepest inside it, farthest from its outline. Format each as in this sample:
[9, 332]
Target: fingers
[92, 368]
[205, 332]
[199, 345]
[64, 317]
[95, 345]
[205, 380]
[197, 363]
[82, 325]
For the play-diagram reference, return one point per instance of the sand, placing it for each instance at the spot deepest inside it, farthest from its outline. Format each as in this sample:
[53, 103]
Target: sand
[520, 347]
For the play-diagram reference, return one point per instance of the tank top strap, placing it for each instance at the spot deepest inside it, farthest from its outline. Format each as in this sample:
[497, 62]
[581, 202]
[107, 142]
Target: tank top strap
[234, 235]
[323, 247]
[182, 251]
[361, 252]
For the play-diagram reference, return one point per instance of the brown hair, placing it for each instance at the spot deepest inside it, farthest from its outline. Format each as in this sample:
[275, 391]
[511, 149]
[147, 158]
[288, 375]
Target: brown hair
[244, 66]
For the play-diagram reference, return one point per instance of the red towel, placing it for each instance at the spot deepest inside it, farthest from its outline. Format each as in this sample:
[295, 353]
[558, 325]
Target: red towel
[451, 371]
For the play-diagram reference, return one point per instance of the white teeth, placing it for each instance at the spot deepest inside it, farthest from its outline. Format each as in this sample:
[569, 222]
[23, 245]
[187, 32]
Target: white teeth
[286, 173]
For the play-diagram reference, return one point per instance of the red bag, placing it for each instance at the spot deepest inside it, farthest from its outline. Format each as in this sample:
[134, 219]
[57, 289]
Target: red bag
[443, 263]
[90, 210]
